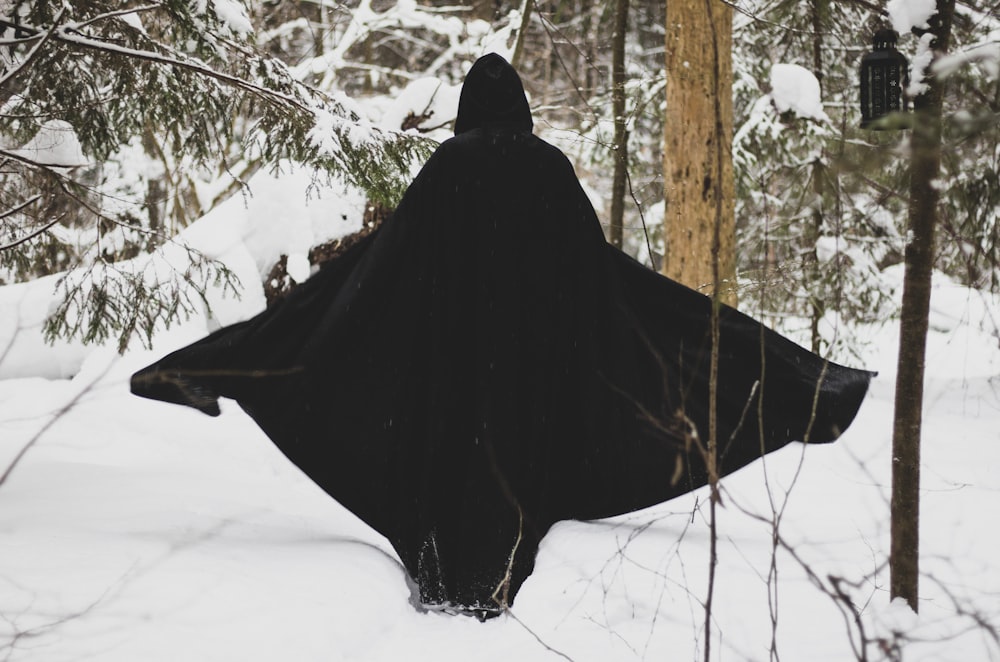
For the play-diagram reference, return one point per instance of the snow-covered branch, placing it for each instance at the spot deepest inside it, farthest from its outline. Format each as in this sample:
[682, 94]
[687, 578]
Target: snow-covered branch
[72, 35]
[31, 35]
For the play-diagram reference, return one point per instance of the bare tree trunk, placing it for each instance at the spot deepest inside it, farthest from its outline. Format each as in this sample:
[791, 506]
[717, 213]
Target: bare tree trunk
[816, 302]
[699, 224]
[699, 77]
[515, 58]
[621, 132]
[924, 167]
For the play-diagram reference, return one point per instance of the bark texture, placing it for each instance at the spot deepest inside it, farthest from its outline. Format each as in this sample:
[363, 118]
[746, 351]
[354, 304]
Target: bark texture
[621, 127]
[697, 163]
[904, 554]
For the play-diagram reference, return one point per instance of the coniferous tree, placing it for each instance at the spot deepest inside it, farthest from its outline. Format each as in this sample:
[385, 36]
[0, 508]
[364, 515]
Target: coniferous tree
[821, 203]
[815, 225]
[91, 89]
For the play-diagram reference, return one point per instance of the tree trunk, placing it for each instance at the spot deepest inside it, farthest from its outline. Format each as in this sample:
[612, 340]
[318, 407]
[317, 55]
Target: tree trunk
[621, 132]
[815, 276]
[924, 167]
[697, 162]
[522, 31]
[699, 225]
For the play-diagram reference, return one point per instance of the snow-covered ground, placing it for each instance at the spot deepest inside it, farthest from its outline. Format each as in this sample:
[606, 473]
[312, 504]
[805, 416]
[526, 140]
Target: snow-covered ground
[135, 530]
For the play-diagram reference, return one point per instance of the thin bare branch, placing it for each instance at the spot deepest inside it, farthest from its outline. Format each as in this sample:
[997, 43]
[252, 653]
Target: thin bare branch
[31, 235]
[18, 208]
[48, 424]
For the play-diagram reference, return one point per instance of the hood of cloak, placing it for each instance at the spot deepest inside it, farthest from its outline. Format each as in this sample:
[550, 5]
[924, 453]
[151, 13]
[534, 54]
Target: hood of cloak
[492, 95]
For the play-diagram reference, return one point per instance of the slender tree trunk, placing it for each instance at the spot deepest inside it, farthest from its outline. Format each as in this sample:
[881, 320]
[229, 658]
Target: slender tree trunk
[621, 131]
[699, 81]
[816, 302]
[924, 167]
[522, 31]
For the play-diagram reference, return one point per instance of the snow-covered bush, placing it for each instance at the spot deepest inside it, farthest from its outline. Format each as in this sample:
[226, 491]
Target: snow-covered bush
[122, 123]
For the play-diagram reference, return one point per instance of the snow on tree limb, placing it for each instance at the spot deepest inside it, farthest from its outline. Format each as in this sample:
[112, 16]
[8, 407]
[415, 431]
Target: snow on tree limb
[181, 83]
[908, 14]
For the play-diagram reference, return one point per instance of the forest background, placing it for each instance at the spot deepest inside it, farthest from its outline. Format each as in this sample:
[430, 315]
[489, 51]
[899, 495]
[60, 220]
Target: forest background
[169, 110]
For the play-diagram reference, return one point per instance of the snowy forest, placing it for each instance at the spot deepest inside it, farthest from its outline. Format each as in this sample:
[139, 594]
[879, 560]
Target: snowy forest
[171, 167]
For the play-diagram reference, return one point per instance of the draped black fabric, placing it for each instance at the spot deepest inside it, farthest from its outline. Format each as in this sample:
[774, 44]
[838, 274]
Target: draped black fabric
[485, 365]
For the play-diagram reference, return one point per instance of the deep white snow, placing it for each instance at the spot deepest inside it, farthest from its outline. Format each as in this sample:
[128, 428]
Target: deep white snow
[136, 530]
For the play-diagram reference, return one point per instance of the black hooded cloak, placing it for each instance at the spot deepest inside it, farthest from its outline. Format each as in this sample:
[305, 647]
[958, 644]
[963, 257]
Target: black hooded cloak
[485, 365]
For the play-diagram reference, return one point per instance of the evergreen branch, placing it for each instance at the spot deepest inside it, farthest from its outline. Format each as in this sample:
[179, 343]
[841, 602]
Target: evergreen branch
[70, 34]
[40, 165]
[36, 49]
[15, 210]
[114, 14]
[65, 35]
[239, 182]
[99, 215]
[31, 235]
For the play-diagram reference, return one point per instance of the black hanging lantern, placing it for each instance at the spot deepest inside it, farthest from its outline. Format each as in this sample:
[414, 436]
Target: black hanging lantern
[884, 74]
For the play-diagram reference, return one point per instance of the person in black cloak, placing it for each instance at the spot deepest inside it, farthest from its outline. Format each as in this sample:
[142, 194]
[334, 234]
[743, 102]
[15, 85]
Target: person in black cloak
[485, 364]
